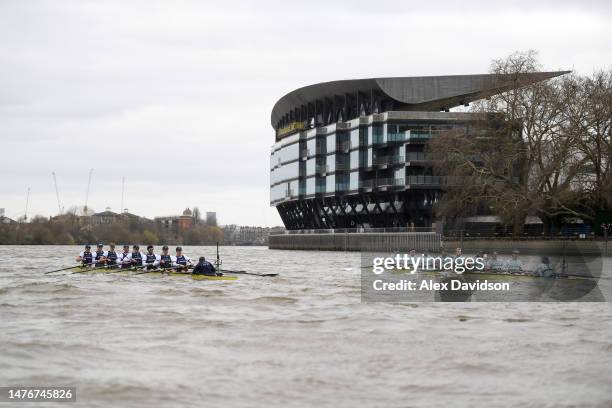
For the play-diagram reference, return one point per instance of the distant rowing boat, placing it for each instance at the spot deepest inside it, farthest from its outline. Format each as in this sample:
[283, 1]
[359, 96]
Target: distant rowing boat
[505, 275]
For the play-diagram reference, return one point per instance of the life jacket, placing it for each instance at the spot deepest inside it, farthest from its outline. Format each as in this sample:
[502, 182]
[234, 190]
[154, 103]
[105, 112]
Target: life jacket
[151, 258]
[136, 259]
[166, 261]
[99, 254]
[111, 258]
[122, 257]
[181, 260]
[87, 258]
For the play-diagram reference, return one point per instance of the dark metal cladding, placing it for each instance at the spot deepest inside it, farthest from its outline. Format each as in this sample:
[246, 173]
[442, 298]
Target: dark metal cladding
[414, 93]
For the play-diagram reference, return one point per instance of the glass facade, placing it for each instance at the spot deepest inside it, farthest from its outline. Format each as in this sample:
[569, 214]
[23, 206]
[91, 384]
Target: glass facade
[376, 154]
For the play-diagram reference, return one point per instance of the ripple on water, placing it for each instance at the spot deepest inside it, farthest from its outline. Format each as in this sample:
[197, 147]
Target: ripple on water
[275, 300]
[48, 288]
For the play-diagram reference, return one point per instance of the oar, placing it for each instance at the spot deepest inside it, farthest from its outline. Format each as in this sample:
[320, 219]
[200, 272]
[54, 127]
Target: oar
[64, 269]
[248, 273]
[95, 269]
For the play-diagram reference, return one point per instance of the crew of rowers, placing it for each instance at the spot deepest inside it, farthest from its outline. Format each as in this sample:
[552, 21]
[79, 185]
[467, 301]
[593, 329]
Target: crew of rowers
[513, 265]
[147, 261]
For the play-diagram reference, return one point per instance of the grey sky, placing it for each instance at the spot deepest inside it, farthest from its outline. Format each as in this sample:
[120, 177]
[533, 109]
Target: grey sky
[176, 95]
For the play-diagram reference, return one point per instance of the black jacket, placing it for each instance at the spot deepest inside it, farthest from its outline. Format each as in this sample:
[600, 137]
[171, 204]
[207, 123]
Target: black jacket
[205, 268]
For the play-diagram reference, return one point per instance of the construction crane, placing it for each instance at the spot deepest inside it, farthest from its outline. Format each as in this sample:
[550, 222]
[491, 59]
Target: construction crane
[59, 207]
[87, 195]
[25, 215]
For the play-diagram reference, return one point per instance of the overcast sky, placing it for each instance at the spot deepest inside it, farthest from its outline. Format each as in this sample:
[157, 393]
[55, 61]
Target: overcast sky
[176, 95]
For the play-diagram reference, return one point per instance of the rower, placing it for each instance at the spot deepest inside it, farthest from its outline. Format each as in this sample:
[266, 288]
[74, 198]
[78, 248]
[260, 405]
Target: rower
[136, 256]
[180, 261]
[165, 258]
[111, 255]
[514, 264]
[125, 258]
[203, 267]
[85, 257]
[494, 264]
[151, 260]
[99, 256]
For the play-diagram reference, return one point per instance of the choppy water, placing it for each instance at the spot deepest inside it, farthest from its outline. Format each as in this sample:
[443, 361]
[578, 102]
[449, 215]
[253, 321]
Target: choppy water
[301, 339]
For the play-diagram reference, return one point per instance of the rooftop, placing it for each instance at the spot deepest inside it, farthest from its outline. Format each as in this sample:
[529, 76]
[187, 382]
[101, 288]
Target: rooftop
[413, 93]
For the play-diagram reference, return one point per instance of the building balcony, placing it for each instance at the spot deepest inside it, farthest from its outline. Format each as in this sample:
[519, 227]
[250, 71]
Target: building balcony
[381, 183]
[419, 136]
[418, 157]
[388, 160]
[396, 137]
[427, 180]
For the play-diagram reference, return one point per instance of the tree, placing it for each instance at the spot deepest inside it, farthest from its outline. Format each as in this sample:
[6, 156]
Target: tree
[522, 157]
[197, 215]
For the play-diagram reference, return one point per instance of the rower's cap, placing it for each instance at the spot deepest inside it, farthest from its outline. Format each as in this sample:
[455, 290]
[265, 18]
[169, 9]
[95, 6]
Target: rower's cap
[136, 247]
[100, 245]
[88, 246]
[516, 252]
[149, 246]
[165, 247]
[126, 247]
[112, 245]
[179, 248]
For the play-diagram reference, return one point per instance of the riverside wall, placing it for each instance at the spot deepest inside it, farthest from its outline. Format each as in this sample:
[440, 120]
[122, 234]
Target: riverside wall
[433, 242]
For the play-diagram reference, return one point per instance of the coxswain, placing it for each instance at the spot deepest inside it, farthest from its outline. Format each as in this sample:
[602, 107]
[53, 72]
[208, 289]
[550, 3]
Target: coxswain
[151, 261]
[165, 259]
[137, 256]
[544, 269]
[203, 267]
[85, 257]
[111, 255]
[99, 256]
[125, 258]
[180, 261]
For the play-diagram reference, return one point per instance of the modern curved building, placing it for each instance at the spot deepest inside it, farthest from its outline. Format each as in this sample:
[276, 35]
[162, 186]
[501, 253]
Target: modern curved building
[350, 154]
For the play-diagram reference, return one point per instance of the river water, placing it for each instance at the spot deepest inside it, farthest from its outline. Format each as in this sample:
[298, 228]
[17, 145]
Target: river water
[301, 339]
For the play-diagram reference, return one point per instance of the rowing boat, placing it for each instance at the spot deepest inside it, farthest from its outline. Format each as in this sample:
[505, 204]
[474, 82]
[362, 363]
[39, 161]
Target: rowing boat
[193, 276]
[502, 275]
[88, 270]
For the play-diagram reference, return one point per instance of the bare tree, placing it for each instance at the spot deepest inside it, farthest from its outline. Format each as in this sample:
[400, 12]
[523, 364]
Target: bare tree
[520, 159]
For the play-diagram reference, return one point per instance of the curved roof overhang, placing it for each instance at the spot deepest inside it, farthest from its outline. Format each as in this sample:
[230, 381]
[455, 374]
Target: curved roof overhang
[417, 93]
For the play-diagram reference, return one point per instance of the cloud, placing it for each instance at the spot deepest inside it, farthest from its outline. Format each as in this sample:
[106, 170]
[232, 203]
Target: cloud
[177, 96]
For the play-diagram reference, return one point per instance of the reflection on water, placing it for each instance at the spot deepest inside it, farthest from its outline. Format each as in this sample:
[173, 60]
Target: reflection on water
[300, 339]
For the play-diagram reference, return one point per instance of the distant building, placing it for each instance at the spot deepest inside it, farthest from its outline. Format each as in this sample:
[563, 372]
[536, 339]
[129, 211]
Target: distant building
[176, 222]
[6, 220]
[211, 218]
[245, 235]
[104, 217]
[185, 221]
